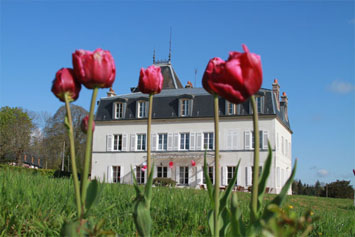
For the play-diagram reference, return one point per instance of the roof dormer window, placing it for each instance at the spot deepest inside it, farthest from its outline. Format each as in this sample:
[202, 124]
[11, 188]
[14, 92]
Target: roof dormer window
[185, 106]
[142, 108]
[232, 109]
[259, 100]
[119, 109]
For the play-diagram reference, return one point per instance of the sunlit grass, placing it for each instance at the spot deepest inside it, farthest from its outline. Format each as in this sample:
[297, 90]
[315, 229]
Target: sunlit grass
[38, 205]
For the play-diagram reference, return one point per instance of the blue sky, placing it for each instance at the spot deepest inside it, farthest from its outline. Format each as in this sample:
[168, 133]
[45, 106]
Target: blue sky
[308, 46]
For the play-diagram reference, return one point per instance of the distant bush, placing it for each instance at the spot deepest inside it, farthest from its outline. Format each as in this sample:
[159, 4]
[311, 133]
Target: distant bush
[44, 172]
[164, 182]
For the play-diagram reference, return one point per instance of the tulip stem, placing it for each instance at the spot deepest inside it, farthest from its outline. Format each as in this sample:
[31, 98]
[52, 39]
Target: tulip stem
[72, 154]
[84, 178]
[148, 132]
[254, 201]
[216, 158]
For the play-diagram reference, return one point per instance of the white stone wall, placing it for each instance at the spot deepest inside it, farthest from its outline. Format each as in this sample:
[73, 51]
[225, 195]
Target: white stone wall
[232, 148]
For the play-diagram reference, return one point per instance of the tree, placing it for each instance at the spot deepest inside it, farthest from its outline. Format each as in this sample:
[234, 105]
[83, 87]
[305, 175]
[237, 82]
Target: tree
[56, 134]
[340, 189]
[15, 133]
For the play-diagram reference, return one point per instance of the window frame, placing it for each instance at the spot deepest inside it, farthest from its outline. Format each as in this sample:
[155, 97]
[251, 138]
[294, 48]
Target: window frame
[141, 144]
[210, 136]
[140, 174]
[116, 174]
[163, 146]
[162, 171]
[184, 141]
[210, 173]
[117, 142]
[231, 170]
[141, 109]
[119, 109]
[184, 175]
[184, 107]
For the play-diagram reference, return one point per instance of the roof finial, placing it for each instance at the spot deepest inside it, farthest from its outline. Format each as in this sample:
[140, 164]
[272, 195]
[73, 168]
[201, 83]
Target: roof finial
[169, 60]
[154, 56]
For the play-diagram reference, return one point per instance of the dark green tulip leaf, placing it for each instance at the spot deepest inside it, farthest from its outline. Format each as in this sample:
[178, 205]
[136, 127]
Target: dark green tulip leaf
[92, 192]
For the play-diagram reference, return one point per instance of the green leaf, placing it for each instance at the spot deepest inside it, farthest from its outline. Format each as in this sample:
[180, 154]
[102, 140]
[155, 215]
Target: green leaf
[226, 194]
[278, 200]
[66, 122]
[236, 227]
[264, 176]
[209, 185]
[70, 229]
[135, 184]
[148, 186]
[92, 192]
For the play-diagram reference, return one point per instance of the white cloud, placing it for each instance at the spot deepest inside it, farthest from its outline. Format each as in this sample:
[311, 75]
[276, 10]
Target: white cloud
[322, 173]
[341, 87]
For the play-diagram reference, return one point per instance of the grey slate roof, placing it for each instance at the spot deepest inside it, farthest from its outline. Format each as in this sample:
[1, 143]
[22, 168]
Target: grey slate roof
[165, 105]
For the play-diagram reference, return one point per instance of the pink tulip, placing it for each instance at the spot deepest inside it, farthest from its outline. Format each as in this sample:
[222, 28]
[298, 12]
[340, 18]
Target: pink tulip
[354, 171]
[171, 164]
[193, 163]
[94, 69]
[65, 82]
[150, 80]
[85, 124]
[144, 168]
[235, 79]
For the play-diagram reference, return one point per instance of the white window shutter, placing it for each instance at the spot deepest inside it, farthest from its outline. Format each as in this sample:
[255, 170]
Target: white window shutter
[235, 140]
[199, 174]
[109, 174]
[169, 173]
[224, 175]
[176, 141]
[247, 136]
[250, 176]
[137, 109]
[265, 140]
[192, 141]
[155, 173]
[199, 141]
[133, 142]
[109, 142]
[282, 177]
[239, 177]
[114, 105]
[154, 142]
[121, 174]
[170, 141]
[177, 174]
[190, 103]
[229, 139]
[124, 142]
[124, 110]
[192, 174]
[278, 176]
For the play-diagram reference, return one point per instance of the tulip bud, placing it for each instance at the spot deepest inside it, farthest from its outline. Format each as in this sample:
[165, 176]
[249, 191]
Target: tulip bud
[85, 124]
[150, 80]
[144, 168]
[236, 79]
[193, 163]
[94, 69]
[65, 82]
[171, 164]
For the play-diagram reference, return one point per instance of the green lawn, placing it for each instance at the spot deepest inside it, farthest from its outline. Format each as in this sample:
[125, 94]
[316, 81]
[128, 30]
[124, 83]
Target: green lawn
[38, 205]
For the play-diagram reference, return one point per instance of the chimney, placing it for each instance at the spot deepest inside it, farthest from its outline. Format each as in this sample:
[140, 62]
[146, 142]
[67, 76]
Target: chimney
[284, 101]
[111, 92]
[189, 85]
[276, 90]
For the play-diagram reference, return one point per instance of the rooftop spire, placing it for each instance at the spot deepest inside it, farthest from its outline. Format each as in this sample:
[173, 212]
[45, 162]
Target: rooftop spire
[169, 60]
[154, 56]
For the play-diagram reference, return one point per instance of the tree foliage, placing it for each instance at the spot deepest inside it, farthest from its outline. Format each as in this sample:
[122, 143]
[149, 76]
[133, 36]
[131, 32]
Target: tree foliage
[56, 136]
[15, 133]
[337, 189]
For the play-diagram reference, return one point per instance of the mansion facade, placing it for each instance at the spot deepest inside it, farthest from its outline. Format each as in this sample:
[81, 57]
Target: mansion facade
[182, 129]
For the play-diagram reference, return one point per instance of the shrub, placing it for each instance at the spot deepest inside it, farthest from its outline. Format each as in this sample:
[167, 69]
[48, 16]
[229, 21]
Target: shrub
[164, 182]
